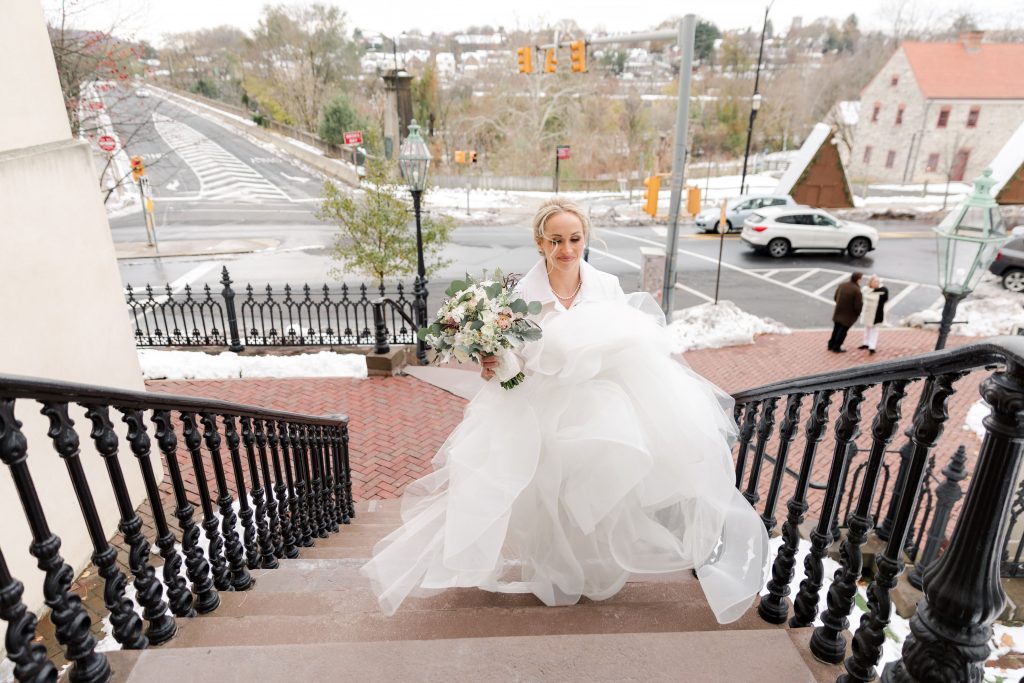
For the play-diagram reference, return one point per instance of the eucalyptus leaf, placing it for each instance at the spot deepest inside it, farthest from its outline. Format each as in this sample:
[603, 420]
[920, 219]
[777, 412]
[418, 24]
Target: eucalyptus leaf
[519, 306]
[533, 307]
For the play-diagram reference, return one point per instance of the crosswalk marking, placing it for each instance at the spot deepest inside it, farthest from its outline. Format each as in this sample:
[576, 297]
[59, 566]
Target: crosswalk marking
[831, 283]
[801, 278]
[221, 174]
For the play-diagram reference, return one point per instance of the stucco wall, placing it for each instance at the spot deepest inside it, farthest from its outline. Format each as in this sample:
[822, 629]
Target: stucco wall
[61, 303]
[918, 136]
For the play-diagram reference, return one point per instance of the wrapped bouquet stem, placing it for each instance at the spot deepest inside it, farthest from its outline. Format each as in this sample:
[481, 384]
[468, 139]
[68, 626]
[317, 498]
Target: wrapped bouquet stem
[483, 318]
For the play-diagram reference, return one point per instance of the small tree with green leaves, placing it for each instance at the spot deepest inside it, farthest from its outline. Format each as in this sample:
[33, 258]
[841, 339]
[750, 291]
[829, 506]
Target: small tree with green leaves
[377, 232]
[338, 116]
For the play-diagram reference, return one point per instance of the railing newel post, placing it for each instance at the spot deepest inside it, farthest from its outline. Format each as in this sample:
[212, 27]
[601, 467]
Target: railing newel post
[229, 307]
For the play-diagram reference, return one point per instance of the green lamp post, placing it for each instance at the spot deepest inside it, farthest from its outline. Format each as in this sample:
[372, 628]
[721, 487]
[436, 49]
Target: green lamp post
[968, 239]
[414, 161]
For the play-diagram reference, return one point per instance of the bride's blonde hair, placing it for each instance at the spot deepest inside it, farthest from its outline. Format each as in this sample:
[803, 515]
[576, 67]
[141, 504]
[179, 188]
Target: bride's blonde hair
[551, 207]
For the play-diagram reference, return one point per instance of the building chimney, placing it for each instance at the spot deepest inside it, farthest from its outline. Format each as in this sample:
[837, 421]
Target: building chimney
[972, 40]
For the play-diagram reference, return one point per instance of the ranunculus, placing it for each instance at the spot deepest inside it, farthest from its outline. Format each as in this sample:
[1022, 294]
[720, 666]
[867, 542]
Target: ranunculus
[504, 321]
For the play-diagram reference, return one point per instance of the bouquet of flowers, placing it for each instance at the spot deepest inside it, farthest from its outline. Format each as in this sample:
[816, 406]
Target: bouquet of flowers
[483, 318]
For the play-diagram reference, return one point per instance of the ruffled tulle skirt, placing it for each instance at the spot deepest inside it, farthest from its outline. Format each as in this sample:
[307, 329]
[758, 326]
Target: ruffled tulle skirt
[611, 459]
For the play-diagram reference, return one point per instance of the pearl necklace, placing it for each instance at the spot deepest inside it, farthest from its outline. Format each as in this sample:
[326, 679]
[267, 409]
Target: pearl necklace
[574, 292]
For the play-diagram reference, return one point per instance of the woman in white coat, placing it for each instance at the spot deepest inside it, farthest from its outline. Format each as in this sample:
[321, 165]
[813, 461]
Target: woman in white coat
[873, 313]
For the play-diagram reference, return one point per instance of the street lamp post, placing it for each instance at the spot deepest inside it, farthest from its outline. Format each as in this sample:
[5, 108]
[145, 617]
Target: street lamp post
[414, 161]
[755, 101]
[968, 239]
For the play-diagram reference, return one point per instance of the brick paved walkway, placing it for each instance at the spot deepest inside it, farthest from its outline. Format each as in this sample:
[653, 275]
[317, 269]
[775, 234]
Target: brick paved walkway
[398, 423]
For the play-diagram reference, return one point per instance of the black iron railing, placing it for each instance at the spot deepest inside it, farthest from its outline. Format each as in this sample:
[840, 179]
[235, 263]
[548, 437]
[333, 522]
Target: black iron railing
[266, 317]
[290, 474]
[962, 591]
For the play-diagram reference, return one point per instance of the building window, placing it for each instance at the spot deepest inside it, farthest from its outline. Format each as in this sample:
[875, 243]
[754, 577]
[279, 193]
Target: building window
[943, 117]
[890, 158]
[972, 117]
[899, 114]
[933, 163]
[874, 112]
[867, 154]
[894, 81]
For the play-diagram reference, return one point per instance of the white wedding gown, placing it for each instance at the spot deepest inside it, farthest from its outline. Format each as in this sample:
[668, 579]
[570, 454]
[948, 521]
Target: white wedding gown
[611, 458]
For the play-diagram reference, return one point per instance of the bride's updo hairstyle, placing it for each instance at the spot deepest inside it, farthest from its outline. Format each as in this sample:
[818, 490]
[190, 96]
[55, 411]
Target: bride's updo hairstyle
[554, 206]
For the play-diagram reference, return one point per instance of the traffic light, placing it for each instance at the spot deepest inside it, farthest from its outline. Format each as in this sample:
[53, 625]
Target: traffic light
[693, 200]
[578, 55]
[550, 62]
[651, 196]
[472, 156]
[460, 157]
[525, 60]
[138, 168]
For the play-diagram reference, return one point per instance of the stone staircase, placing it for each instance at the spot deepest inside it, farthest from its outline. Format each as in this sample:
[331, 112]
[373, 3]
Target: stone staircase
[315, 619]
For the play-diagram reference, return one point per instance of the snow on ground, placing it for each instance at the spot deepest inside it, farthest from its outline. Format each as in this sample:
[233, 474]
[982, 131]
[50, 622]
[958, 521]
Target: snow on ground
[978, 412]
[158, 364]
[989, 311]
[478, 199]
[711, 326]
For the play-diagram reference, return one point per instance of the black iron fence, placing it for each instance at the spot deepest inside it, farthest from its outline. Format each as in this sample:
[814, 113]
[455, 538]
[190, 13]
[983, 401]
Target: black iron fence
[963, 595]
[290, 473]
[342, 316]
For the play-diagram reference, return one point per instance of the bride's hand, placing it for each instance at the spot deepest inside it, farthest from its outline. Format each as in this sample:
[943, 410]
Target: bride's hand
[487, 366]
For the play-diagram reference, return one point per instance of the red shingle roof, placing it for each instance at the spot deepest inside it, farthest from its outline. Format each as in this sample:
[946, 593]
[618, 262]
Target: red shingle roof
[948, 70]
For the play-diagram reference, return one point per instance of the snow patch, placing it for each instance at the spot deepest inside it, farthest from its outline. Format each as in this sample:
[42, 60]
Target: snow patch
[711, 326]
[978, 412]
[158, 364]
[990, 311]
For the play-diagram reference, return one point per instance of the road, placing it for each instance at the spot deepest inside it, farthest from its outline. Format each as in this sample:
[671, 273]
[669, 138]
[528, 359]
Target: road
[211, 182]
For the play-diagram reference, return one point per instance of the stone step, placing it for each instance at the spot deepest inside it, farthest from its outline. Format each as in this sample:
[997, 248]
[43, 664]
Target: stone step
[327, 552]
[289, 598]
[696, 657]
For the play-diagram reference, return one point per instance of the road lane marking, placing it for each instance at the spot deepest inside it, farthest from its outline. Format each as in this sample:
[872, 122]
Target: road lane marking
[756, 276]
[800, 278]
[831, 283]
[891, 304]
[679, 286]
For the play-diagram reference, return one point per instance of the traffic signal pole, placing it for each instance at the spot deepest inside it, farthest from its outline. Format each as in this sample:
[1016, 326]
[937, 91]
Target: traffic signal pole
[685, 36]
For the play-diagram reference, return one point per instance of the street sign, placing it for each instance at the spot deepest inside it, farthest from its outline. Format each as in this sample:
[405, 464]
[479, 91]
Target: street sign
[107, 143]
[353, 137]
[562, 151]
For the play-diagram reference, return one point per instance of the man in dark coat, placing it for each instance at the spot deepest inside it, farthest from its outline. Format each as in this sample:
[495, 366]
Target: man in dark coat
[849, 303]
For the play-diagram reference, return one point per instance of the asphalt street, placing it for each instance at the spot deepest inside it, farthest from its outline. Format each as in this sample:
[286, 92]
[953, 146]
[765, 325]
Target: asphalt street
[211, 182]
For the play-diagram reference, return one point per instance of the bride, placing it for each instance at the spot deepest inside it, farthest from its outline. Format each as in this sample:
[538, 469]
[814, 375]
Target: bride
[610, 459]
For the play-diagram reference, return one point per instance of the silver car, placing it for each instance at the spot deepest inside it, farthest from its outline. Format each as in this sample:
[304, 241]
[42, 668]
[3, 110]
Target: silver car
[738, 210]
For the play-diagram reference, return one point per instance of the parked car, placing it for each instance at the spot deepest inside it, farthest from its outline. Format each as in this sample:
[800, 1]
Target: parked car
[780, 230]
[1009, 264]
[142, 92]
[738, 210]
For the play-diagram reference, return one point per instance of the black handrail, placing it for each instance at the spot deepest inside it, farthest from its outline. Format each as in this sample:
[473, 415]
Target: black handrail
[963, 594]
[311, 450]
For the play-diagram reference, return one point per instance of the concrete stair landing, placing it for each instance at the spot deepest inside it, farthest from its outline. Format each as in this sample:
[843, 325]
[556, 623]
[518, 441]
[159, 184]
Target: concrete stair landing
[315, 619]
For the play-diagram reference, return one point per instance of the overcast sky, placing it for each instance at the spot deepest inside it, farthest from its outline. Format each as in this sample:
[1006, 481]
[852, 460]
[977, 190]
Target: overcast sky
[150, 19]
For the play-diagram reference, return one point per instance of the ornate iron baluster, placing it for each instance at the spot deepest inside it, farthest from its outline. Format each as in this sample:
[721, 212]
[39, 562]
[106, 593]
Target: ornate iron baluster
[787, 432]
[302, 486]
[947, 493]
[265, 548]
[764, 433]
[245, 511]
[285, 493]
[324, 452]
[177, 591]
[347, 471]
[127, 626]
[310, 462]
[240, 578]
[951, 629]
[218, 565]
[148, 589]
[29, 657]
[339, 478]
[69, 618]
[746, 432]
[1013, 569]
[827, 642]
[884, 530]
[847, 425]
[196, 566]
[300, 520]
[929, 419]
[275, 501]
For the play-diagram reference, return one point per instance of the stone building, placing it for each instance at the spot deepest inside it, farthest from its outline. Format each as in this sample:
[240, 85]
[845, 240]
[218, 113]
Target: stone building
[938, 111]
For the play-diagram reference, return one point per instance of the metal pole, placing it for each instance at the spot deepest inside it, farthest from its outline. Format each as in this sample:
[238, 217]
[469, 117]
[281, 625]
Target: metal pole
[556, 170]
[721, 246]
[145, 215]
[753, 111]
[948, 311]
[420, 285]
[687, 29]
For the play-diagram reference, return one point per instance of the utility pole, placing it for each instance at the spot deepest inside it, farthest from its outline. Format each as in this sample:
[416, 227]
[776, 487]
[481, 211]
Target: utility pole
[755, 101]
[687, 31]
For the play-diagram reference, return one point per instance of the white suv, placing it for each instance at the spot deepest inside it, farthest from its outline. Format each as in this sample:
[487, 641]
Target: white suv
[782, 230]
[738, 209]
